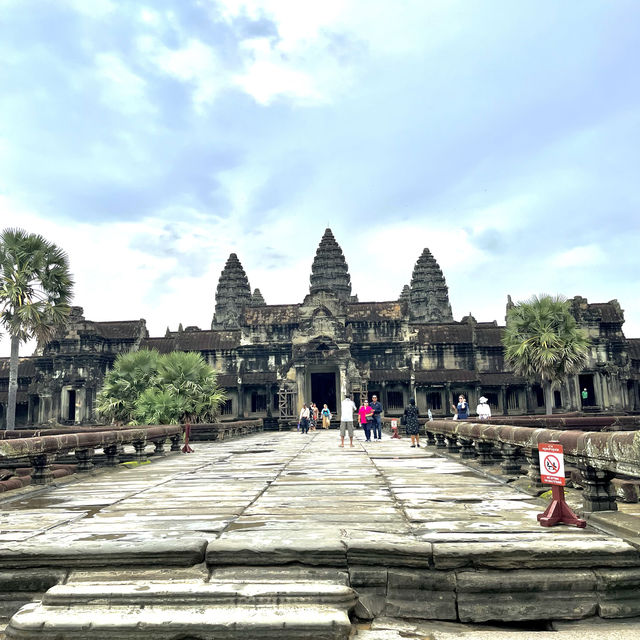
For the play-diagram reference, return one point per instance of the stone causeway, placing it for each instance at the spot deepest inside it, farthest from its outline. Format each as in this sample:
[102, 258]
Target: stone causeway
[286, 535]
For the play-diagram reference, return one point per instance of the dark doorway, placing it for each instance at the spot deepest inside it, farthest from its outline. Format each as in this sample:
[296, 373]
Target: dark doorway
[323, 390]
[586, 382]
[72, 405]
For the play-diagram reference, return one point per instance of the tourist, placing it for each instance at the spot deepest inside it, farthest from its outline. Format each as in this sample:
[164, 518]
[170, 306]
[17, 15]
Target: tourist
[585, 396]
[347, 410]
[304, 419]
[412, 424]
[313, 416]
[462, 409]
[365, 415]
[377, 418]
[326, 417]
[483, 409]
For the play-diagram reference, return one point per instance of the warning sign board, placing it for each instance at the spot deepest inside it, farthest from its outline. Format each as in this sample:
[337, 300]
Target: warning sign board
[394, 424]
[551, 463]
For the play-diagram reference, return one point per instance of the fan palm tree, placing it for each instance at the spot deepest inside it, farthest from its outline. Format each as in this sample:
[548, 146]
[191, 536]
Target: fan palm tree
[123, 385]
[543, 342]
[35, 290]
[145, 387]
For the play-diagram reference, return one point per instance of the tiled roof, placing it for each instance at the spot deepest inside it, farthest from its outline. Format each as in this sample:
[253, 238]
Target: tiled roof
[446, 375]
[633, 347]
[270, 314]
[194, 341]
[375, 311]
[120, 330]
[389, 375]
[498, 379]
[489, 336]
[26, 367]
[608, 311]
[453, 333]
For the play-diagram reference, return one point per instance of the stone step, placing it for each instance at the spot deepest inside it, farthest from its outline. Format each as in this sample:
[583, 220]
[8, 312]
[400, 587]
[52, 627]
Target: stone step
[207, 594]
[233, 622]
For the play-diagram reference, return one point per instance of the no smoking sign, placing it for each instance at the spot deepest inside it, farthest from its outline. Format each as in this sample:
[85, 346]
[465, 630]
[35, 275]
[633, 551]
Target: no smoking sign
[551, 463]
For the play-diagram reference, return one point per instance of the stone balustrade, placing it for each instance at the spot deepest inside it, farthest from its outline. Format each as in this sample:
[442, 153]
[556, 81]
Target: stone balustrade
[41, 451]
[599, 456]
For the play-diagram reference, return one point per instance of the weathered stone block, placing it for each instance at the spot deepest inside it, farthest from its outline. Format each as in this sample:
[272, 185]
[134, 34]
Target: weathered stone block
[429, 605]
[618, 592]
[367, 577]
[526, 595]
[402, 579]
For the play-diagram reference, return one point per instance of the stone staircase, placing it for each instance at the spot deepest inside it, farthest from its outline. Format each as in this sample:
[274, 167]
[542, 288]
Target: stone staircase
[259, 603]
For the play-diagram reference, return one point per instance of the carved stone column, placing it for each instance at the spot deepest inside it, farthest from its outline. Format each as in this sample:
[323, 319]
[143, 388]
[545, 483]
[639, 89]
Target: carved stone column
[159, 448]
[85, 459]
[533, 472]
[175, 442]
[452, 444]
[112, 457]
[598, 494]
[139, 446]
[510, 460]
[503, 399]
[485, 450]
[42, 473]
[440, 443]
[467, 450]
[431, 439]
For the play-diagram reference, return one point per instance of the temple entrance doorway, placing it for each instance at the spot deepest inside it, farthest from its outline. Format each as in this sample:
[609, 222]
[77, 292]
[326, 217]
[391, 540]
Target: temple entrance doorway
[586, 382]
[323, 390]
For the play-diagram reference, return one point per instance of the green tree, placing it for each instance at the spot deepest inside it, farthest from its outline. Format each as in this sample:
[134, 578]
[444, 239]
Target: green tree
[145, 387]
[35, 290]
[543, 342]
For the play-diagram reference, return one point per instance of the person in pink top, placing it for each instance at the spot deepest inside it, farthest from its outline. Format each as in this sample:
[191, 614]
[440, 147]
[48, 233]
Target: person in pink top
[364, 412]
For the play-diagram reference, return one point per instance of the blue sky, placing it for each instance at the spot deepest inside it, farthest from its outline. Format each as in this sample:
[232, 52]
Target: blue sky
[151, 139]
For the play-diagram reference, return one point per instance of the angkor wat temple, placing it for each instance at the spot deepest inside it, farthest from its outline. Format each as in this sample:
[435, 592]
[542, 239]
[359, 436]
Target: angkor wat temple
[272, 358]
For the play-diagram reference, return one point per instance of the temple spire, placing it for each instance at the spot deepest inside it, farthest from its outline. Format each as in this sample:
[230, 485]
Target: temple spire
[257, 300]
[429, 295]
[329, 271]
[232, 295]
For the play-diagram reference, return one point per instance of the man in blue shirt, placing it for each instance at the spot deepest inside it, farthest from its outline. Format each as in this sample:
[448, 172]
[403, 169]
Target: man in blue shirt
[377, 418]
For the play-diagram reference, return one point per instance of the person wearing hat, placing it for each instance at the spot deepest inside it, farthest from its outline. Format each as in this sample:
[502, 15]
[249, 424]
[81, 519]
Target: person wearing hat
[483, 409]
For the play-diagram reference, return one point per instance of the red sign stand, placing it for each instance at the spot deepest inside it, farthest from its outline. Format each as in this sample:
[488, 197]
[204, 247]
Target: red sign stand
[187, 433]
[559, 512]
[552, 472]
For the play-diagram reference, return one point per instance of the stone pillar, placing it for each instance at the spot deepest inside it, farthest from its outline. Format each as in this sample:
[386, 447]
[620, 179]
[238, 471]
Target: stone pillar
[447, 404]
[533, 472]
[159, 448]
[440, 443]
[301, 387]
[485, 450]
[112, 457]
[85, 459]
[452, 444]
[503, 399]
[139, 446]
[412, 387]
[81, 406]
[510, 460]
[431, 439]
[343, 384]
[467, 450]
[240, 399]
[175, 442]
[598, 494]
[42, 473]
[527, 396]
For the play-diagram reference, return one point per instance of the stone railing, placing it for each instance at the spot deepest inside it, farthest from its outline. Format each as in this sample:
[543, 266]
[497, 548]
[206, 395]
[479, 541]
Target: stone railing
[223, 430]
[41, 451]
[599, 456]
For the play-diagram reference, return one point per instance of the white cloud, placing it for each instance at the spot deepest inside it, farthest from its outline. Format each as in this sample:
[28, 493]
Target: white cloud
[586, 256]
[120, 86]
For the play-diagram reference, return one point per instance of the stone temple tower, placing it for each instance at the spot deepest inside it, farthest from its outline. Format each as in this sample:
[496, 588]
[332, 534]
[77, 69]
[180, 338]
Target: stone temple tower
[329, 271]
[429, 295]
[232, 295]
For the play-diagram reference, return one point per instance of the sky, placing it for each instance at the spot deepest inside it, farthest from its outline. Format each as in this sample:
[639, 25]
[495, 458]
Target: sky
[150, 140]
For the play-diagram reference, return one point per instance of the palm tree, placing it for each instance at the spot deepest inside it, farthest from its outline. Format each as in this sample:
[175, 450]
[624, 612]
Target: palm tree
[35, 290]
[123, 385]
[543, 342]
[145, 387]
